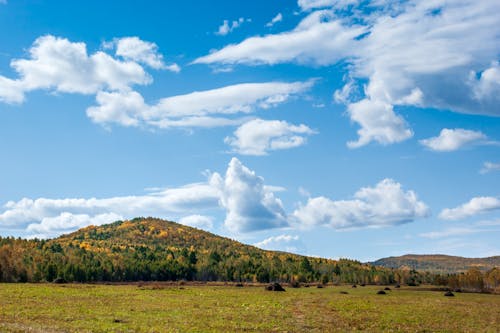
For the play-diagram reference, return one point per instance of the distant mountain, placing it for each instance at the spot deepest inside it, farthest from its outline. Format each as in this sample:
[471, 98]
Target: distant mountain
[438, 263]
[145, 249]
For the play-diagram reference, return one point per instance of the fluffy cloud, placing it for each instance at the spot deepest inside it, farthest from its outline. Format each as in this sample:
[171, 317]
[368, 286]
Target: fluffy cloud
[60, 65]
[378, 123]
[132, 48]
[437, 54]
[383, 205]
[227, 27]
[197, 221]
[475, 206]
[490, 167]
[164, 203]
[289, 243]
[276, 19]
[453, 139]
[249, 204]
[200, 108]
[258, 137]
[67, 222]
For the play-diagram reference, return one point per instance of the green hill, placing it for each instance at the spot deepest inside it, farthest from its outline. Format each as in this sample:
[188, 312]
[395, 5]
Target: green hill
[145, 249]
[438, 263]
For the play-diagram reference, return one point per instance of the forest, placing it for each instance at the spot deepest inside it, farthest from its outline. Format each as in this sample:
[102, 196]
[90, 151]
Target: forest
[150, 249]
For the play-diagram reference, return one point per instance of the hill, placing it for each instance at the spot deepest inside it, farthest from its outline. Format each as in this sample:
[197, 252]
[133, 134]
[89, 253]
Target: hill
[146, 249]
[438, 263]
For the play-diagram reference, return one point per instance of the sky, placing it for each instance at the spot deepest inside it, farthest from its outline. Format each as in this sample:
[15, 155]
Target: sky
[333, 128]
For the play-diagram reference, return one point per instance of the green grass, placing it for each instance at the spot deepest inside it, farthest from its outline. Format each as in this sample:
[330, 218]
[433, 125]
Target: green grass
[129, 308]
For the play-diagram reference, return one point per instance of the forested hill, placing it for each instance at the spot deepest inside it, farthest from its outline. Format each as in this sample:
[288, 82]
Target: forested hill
[146, 249]
[438, 263]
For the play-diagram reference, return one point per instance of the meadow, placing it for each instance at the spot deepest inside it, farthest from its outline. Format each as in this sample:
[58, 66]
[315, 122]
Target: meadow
[216, 308]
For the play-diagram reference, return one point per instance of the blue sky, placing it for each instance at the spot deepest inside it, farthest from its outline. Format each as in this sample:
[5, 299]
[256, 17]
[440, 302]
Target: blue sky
[336, 128]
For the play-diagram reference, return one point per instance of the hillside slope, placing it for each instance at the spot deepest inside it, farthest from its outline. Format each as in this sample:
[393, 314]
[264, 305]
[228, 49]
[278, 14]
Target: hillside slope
[438, 263]
[145, 249]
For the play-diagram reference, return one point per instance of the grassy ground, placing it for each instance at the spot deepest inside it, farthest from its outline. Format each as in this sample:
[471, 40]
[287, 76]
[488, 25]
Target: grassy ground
[130, 308]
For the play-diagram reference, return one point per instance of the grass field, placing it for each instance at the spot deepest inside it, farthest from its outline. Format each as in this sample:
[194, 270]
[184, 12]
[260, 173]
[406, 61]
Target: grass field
[153, 308]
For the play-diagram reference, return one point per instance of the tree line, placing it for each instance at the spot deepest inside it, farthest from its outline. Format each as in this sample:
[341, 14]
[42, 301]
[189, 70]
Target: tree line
[156, 250]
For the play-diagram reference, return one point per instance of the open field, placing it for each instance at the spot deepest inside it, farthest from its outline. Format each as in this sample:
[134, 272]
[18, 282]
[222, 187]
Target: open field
[190, 308]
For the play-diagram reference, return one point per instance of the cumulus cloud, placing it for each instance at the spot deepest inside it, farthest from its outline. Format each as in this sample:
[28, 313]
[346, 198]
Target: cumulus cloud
[197, 221]
[276, 19]
[475, 206]
[378, 123]
[385, 204]
[453, 139]
[59, 65]
[285, 242]
[226, 27]
[258, 136]
[135, 49]
[438, 54]
[169, 201]
[56, 64]
[490, 167]
[206, 108]
[249, 204]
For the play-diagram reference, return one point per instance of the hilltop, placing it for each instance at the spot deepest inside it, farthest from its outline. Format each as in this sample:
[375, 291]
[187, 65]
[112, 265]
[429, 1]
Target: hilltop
[438, 263]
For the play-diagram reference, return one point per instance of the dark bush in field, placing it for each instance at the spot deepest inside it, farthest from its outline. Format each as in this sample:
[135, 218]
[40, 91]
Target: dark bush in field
[319, 286]
[397, 286]
[344, 292]
[387, 288]
[449, 294]
[239, 285]
[275, 287]
[354, 286]
[294, 284]
[381, 292]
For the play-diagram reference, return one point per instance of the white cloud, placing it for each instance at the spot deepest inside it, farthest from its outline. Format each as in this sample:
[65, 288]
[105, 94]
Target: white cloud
[487, 84]
[227, 27]
[176, 200]
[385, 204]
[249, 204]
[63, 66]
[490, 167]
[59, 65]
[378, 123]
[135, 49]
[288, 243]
[67, 222]
[313, 4]
[197, 221]
[207, 108]
[419, 53]
[312, 41]
[258, 137]
[276, 19]
[453, 139]
[475, 206]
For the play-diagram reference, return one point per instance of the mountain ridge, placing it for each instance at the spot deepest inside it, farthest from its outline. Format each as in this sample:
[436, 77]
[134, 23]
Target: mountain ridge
[437, 263]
